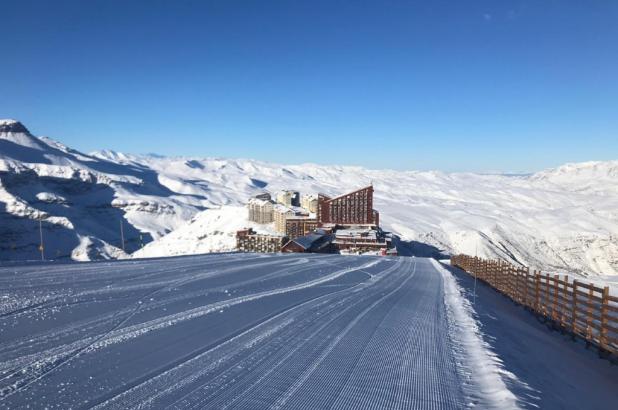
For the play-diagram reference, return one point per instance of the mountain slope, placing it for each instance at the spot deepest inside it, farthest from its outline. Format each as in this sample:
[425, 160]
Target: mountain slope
[80, 200]
[560, 219]
[546, 220]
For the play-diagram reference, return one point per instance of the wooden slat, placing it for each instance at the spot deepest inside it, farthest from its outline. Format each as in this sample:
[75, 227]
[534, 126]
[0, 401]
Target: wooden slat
[611, 327]
[586, 295]
[593, 325]
[591, 286]
[595, 315]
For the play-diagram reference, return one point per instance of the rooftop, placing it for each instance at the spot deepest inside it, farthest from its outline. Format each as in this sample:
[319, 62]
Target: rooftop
[258, 201]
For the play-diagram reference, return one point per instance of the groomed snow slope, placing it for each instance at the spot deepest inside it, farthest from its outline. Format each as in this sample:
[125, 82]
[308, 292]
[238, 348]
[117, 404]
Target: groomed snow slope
[252, 331]
[242, 331]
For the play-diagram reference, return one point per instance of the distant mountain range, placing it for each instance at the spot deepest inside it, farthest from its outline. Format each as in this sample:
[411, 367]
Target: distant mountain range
[563, 219]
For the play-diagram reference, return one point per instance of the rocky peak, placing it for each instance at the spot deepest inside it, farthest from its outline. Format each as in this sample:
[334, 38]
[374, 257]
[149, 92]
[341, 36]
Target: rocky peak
[13, 126]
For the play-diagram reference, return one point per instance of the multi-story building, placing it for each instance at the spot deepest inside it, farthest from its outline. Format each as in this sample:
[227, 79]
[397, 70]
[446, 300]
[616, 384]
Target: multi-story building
[354, 208]
[281, 213]
[347, 223]
[288, 198]
[309, 202]
[361, 240]
[260, 210]
[249, 241]
[299, 226]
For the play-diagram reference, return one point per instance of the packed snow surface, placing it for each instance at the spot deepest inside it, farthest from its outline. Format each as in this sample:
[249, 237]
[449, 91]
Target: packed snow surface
[255, 331]
[241, 331]
[562, 219]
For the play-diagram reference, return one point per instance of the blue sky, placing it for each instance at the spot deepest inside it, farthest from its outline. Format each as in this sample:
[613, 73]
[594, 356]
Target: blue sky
[451, 85]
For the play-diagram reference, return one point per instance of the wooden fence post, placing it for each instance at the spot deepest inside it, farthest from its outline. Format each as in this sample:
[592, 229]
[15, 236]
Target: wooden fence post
[512, 282]
[505, 277]
[565, 293]
[554, 310]
[604, 304]
[574, 309]
[527, 275]
[493, 274]
[546, 301]
[537, 284]
[589, 316]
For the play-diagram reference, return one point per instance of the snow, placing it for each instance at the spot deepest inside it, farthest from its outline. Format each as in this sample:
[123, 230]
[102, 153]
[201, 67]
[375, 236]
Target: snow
[542, 367]
[232, 330]
[50, 197]
[485, 369]
[276, 331]
[561, 220]
[213, 230]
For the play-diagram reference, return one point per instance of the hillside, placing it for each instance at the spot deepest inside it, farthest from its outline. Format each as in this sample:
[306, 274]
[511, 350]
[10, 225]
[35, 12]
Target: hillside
[555, 219]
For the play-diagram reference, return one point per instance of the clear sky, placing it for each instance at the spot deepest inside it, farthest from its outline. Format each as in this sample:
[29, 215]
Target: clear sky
[451, 85]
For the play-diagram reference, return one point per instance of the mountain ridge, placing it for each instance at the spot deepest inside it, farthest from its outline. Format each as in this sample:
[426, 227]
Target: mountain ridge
[559, 218]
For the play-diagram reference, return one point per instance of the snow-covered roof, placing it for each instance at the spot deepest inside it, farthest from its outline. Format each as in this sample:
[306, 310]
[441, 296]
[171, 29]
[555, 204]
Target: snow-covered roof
[357, 233]
[311, 240]
[258, 201]
[279, 208]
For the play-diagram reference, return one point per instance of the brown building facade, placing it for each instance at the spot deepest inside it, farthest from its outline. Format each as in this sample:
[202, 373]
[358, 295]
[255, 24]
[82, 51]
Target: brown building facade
[300, 226]
[354, 208]
[249, 241]
[362, 240]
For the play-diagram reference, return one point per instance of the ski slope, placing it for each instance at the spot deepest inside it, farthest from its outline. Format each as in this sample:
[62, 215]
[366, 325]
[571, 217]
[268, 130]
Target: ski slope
[239, 331]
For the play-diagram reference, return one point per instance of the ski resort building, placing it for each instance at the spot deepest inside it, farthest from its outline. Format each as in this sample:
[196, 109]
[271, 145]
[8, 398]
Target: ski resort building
[283, 213]
[310, 203]
[346, 223]
[249, 241]
[354, 208]
[260, 210]
[313, 242]
[300, 226]
[361, 240]
[288, 198]
[280, 214]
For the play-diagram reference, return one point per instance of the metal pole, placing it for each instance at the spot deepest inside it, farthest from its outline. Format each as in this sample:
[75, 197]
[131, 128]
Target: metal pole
[41, 248]
[122, 234]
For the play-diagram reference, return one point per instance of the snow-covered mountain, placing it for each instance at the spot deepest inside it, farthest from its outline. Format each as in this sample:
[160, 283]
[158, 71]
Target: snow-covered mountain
[563, 219]
[80, 200]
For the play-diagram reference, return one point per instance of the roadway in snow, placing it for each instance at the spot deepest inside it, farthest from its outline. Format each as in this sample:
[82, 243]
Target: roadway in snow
[240, 331]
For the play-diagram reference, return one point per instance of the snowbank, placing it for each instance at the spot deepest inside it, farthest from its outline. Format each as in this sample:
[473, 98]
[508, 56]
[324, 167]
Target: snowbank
[486, 387]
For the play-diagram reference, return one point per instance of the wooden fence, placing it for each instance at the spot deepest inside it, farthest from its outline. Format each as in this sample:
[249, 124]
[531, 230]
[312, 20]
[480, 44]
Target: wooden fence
[581, 308]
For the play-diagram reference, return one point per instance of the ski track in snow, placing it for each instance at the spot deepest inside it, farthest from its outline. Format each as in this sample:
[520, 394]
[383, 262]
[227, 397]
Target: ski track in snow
[234, 331]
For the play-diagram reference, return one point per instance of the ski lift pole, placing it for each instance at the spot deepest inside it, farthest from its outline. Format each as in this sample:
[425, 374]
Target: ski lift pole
[41, 247]
[122, 234]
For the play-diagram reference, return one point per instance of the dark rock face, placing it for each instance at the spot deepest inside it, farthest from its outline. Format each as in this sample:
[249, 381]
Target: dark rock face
[13, 126]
